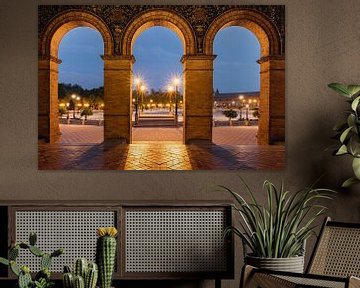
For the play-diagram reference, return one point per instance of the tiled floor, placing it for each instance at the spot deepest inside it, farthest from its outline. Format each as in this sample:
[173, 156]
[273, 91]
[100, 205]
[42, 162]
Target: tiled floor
[160, 155]
[90, 134]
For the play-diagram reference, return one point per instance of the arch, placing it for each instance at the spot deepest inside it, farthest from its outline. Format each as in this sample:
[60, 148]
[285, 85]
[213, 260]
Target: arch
[265, 31]
[65, 22]
[159, 17]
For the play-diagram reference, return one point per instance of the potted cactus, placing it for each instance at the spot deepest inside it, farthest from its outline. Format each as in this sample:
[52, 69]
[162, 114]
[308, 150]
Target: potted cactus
[106, 254]
[42, 278]
[85, 275]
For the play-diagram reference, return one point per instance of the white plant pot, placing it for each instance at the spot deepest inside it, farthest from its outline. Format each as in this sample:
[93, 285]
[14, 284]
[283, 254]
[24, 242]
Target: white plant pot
[291, 264]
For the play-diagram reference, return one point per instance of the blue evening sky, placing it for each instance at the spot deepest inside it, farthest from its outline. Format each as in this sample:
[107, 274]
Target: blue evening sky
[158, 51]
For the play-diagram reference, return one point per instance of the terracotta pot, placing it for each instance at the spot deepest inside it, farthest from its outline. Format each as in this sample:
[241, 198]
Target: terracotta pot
[291, 264]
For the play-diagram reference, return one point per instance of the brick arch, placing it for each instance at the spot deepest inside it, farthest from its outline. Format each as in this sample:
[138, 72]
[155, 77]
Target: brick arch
[65, 22]
[265, 31]
[159, 17]
[271, 127]
[48, 124]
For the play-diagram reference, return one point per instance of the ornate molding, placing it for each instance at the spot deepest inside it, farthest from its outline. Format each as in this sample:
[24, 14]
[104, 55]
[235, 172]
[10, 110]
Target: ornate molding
[118, 17]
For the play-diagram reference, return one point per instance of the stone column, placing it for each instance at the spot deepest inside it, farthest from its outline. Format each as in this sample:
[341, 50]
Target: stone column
[272, 100]
[48, 109]
[117, 97]
[198, 97]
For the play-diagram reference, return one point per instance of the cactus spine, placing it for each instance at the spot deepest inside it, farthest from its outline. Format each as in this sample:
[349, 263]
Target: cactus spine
[105, 255]
[84, 275]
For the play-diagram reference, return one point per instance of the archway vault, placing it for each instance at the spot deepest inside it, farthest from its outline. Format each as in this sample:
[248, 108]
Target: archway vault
[67, 21]
[159, 17]
[262, 27]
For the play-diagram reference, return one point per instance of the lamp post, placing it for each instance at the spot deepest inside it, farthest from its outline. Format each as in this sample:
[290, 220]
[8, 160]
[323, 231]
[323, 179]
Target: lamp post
[136, 102]
[241, 97]
[176, 83]
[78, 105]
[142, 89]
[73, 98]
[170, 90]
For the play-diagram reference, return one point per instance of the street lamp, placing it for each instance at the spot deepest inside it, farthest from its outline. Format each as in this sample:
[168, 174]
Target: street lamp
[67, 113]
[137, 82]
[176, 82]
[247, 112]
[170, 90]
[142, 89]
[73, 97]
[241, 97]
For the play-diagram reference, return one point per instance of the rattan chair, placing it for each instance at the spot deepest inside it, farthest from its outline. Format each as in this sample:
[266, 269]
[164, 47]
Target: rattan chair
[334, 263]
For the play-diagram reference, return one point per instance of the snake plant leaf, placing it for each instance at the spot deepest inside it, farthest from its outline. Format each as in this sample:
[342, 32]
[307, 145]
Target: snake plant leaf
[340, 88]
[345, 134]
[349, 182]
[342, 150]
[356, 167]
[355, 103]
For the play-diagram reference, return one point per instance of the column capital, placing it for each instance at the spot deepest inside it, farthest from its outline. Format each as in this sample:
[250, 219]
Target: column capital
[271, 58]
[108, 57]
[201, 57]
[49, 58]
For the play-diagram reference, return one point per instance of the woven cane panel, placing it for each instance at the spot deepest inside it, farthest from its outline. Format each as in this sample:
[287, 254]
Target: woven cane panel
[308, 282]
[339, 253]
[175, 241]
[74, 231]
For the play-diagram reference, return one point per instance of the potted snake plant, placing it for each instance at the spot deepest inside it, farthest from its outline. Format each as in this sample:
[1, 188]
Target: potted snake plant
[274, 234]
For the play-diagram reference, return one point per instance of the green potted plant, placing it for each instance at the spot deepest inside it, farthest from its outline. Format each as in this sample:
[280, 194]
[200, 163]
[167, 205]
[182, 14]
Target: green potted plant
[275, 233]
[348, 133]
[42, 278]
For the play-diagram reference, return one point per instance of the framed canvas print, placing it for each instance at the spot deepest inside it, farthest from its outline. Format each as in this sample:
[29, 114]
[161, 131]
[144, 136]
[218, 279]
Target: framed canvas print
[170, 87]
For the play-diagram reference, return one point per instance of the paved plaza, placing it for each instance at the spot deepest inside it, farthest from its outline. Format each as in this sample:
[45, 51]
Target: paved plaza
[91, 134]
[159, 149]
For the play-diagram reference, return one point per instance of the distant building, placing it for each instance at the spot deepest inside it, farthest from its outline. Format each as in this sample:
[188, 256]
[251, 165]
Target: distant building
[236, 99]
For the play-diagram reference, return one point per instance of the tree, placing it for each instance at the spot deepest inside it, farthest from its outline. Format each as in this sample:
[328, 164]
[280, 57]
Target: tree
[86, 111]
[62, 111]
[256, 113]
[230, 114]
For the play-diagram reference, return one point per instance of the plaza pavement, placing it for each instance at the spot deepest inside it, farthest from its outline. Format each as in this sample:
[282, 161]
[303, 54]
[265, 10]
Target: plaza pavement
[233, 148]
[91, 134]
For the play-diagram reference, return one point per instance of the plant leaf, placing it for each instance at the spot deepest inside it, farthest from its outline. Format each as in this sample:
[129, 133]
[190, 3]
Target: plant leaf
[340, 88]
[342, 150]
[345, 134]
[349, 182]
[351, 120]
[355, 103]
[353, 89]
[4, 261]
[356, 167]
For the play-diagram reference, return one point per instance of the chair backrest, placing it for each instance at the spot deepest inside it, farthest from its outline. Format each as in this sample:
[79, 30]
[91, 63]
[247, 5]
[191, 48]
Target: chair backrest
[337, 251]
